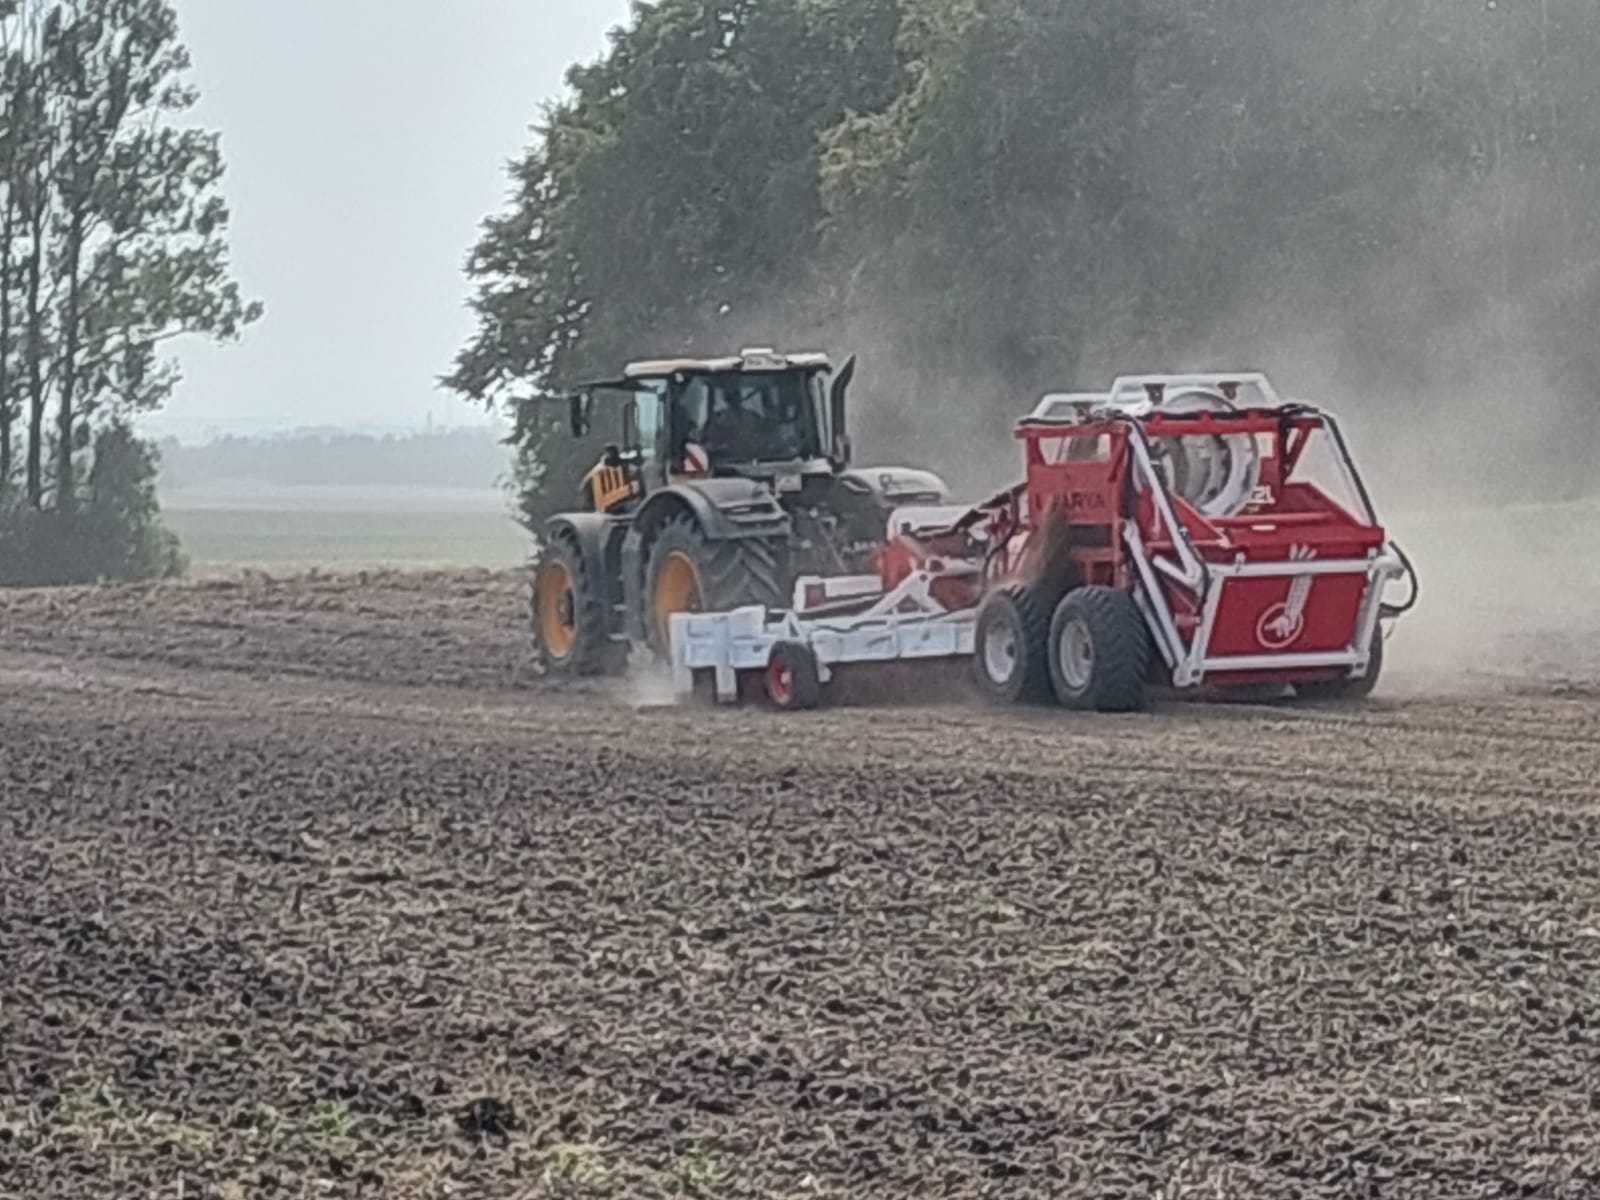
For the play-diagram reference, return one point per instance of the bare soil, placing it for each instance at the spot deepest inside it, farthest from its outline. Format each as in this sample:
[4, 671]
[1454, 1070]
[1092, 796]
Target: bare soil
[312, 887]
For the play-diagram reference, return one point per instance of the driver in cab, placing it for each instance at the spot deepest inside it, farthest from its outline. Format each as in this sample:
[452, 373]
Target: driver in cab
[754, 424]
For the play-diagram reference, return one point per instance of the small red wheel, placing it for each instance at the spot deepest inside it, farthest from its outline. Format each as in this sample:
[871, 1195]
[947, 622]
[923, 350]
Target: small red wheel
[791, 678]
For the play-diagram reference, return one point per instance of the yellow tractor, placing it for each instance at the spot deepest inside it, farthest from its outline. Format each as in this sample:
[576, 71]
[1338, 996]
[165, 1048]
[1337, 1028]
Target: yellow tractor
[731, 479]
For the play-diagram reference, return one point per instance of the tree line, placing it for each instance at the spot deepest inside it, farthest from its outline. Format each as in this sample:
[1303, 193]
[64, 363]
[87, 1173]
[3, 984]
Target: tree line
[1394, 209]
[454, 458]
[112, 244]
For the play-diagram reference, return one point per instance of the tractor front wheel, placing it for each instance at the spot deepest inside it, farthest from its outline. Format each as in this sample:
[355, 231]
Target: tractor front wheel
[1009, 647]
[570, 625]
[1347, 688]
[1100, 651]
[689, 572]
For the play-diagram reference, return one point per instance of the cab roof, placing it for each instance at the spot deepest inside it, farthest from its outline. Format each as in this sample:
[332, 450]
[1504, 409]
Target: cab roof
[764, 360]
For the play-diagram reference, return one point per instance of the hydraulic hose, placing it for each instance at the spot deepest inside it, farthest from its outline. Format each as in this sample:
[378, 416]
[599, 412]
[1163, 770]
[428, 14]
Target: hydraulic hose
[1390, 611]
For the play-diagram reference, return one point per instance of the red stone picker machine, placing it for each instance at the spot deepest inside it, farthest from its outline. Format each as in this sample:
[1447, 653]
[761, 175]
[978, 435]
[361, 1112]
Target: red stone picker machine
[1179, 531]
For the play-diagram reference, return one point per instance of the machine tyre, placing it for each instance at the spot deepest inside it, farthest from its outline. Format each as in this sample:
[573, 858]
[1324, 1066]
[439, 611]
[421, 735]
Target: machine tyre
[1009, 647]
[690, 573]
[792, 681]
[570, 626]
[1347, 688]
[1099, 652]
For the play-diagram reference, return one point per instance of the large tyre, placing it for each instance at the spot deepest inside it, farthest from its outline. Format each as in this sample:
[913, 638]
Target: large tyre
[1348, 688]
[1009, 647]
[571, 627]
[689, 573]
[1100, 651]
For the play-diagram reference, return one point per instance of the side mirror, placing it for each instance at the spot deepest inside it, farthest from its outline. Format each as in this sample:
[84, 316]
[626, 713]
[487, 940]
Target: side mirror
[581, 410]
[837, 412]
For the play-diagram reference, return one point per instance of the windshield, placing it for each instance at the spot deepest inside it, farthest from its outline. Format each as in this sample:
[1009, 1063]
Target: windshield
[749, 416]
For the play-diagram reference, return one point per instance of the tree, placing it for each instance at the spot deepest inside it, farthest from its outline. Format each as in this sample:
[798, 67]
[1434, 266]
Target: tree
[11, 158]
[672, 204]
[991, 205]
[113, 230]
[1396, 209]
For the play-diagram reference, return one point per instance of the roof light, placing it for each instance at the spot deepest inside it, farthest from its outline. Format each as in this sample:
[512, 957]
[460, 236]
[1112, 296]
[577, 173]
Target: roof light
[763, 359]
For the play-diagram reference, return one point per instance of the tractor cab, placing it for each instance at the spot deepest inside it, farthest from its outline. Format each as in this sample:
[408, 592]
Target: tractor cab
[765, 416]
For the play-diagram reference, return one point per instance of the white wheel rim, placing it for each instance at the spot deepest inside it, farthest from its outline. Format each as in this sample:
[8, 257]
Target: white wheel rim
[1000, 652]
[1075, 652]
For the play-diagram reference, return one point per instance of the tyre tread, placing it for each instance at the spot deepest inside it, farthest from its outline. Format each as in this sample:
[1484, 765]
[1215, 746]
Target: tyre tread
[807, 677]
[1035, 627]
[734, 573]
[596, 653]
[1122, 651]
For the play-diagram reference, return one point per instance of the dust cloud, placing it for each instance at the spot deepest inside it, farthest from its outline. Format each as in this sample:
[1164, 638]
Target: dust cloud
[1478, 457]
[1462, 363]
[1452, 370]
[646, 685]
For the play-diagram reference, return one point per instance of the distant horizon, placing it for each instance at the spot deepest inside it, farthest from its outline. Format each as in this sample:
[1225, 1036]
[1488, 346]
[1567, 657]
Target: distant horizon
[197, 432]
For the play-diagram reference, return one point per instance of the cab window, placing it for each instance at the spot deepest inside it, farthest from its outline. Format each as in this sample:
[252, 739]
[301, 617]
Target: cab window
[647, 424]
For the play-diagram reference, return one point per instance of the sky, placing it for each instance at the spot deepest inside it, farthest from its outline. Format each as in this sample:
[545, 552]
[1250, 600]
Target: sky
[365, 141]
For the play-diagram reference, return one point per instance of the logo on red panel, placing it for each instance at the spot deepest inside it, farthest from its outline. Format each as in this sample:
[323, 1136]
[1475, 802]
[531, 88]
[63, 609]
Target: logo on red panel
[1282, 625]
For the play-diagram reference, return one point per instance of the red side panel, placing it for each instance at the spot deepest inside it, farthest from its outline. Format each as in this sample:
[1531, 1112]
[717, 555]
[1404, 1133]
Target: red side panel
[1305, 615]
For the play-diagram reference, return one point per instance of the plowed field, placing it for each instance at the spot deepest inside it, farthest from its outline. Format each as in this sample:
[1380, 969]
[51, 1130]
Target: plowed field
[313, 888]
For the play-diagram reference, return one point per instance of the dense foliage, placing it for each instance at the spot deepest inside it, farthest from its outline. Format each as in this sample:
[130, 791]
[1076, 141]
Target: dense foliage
[1396, 209]
[111, 244]
[113, 531]
[673, 199]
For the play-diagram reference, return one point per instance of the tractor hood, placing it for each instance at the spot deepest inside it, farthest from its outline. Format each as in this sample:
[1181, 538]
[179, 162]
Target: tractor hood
[787, 475]
[897, 486]
[892, 485]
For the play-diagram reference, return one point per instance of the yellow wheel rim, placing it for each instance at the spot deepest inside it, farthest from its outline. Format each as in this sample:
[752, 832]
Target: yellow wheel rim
[677, 591]
[556, 608]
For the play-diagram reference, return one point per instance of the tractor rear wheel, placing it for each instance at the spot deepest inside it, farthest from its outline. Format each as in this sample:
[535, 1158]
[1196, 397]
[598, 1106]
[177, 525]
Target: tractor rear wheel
[570, 625]
[1009, 647]
[689, 572]
[1347, 688]
[1100, 651]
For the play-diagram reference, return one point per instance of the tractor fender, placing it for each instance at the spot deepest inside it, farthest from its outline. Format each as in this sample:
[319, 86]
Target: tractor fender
[726, 509]
[599, 541]
[896, 487]
[865, 500]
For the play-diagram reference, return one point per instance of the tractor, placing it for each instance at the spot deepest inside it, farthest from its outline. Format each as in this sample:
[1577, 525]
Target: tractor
[731, 478]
